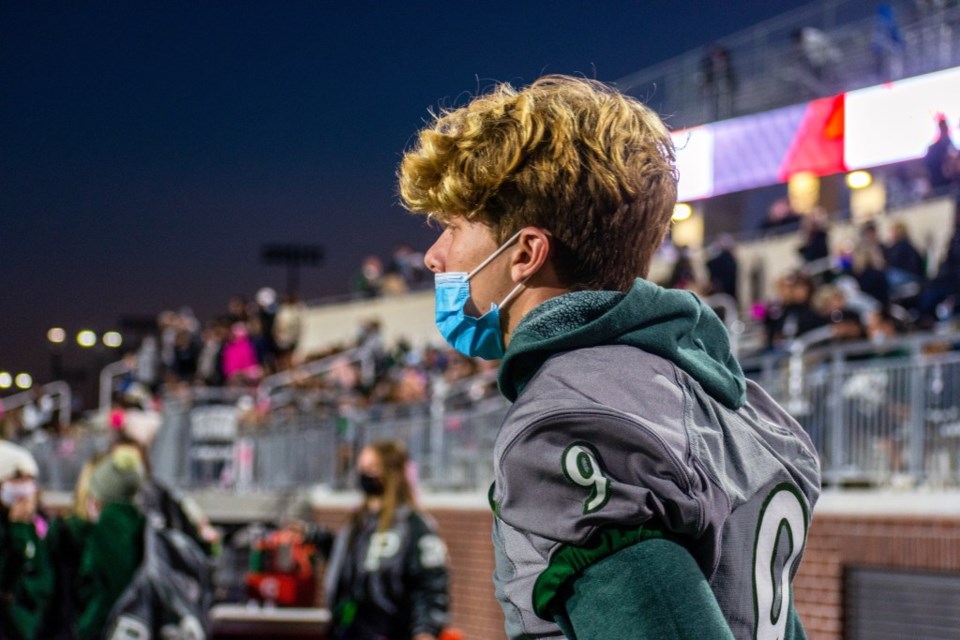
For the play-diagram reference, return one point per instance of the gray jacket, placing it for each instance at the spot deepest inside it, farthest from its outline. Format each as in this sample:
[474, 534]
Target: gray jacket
[607, 445]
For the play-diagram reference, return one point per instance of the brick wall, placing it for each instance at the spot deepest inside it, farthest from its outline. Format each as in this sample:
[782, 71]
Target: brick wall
[836, 541]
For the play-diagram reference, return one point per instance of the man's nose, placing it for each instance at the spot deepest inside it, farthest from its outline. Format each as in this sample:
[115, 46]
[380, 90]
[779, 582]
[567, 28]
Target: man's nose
[433, 258]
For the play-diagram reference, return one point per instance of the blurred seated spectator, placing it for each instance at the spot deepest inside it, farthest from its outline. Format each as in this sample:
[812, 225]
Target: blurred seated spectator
[237, 309]
[791, 314]
[868, 265]
[409, 264]
[845, 323]
[459, 367]
[262, 345]
[266, 315]
[905, 265]
[881, 328]
[813, 229]
[287, 329]
[683, 275]
[210, 359]
[370, 279]
[722, 266]
[939, 157]
[944, 288]
[393, 284]
[781, 218]
[239, 359]
[186, 351]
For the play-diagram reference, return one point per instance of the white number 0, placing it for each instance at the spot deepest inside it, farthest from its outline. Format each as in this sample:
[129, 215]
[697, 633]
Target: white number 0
[581, 466]
[783, 514]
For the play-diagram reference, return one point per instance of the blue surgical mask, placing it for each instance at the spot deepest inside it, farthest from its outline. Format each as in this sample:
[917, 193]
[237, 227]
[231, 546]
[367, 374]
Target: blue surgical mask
[473, 337]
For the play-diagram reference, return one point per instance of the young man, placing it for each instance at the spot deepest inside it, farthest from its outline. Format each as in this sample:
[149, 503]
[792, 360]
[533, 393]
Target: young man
[644, 488]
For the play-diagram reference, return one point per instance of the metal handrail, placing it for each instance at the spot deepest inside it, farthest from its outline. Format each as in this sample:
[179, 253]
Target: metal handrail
[107, 374]
[269, 385]
[57, 388]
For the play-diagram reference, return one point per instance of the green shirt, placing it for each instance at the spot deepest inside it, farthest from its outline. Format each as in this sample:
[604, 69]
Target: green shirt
[111, 556]
[26, 580]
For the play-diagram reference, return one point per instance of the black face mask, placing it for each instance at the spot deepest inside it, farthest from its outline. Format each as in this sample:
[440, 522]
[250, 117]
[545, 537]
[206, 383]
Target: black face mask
[370, 485]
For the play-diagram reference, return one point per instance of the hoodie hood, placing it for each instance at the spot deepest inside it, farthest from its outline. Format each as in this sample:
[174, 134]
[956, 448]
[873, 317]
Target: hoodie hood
[672, 324]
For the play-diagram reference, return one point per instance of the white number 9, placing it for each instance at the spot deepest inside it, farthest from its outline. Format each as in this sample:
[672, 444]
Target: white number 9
[783, 514]
[581, 466]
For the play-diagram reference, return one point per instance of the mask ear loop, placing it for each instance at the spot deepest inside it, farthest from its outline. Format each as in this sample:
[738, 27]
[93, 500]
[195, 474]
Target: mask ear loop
[493, 256]
[513, 293]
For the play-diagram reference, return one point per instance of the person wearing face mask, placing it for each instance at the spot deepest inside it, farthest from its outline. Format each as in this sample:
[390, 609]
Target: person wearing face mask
[26, 575]
[641, 482]
[386, 577]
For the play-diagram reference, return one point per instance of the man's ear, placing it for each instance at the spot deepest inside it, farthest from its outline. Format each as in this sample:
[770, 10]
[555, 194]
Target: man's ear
[531, 254]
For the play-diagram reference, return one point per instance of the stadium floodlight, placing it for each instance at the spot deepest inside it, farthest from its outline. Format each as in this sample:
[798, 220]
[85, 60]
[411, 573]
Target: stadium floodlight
[56, 335]
[112, 339]
[682, 211]
[859, 179]
[23, 381]
[6, 380]
[86, 338]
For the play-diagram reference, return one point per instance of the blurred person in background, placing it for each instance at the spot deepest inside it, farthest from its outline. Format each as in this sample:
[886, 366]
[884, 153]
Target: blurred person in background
[239, 357]
[868, 265]
[718, 82]
[26, 574]
[683, 275]
[722, 266]
[906, 268]
[791, 314]
[113, 549]
[943, 289]
[830, 304]
[781, 218]
[939, 156]
[210, 359]
[386, 576]
[68, 536]
[287, 329]
[370, 279]
[166, 507]
[813, 229]
[267, 308]
[887, 44]
[237, 309]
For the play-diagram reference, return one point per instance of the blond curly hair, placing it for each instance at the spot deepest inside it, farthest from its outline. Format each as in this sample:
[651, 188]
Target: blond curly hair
[572, 156]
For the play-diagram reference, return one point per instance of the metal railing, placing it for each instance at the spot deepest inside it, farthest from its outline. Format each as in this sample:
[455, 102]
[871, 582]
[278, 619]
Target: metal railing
[877, 413]
[56, 389]
[450, 439]
[769, 70]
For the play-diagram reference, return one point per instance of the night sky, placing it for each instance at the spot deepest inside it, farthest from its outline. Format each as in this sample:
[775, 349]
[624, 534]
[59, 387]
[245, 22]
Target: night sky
[149, 149]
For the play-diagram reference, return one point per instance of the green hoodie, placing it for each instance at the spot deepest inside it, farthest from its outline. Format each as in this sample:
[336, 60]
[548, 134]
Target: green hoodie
[670, 595]
[672, 324]
[26, 580]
